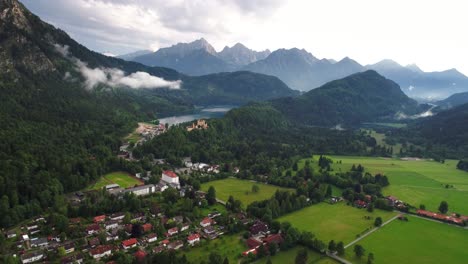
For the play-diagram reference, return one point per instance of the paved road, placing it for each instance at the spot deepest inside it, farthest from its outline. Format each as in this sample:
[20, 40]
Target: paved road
[341, 260]
[220, 201]
[370, 232]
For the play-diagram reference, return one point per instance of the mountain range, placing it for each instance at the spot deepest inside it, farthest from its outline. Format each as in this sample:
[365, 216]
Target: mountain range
[299, 69]
[200, 58]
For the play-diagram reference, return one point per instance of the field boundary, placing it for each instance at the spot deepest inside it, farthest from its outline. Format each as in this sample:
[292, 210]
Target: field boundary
[371, 231]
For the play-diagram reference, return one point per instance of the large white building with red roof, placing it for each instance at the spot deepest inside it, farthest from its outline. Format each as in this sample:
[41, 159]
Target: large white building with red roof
[170, 177]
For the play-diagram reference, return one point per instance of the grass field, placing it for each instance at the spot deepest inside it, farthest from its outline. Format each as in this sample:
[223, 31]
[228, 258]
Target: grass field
[415, 241]
[393, 125]
[241, 190]
[123, 179]
[339, 222]
[228, 246]
[288, 257]
[380, 139]
[417, 181]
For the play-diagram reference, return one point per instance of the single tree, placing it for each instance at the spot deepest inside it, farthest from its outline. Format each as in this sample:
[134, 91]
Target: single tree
[422, 207]
[329, 191]
[340, 248]
[211, 195]
[273, 247]
[226, 260]
[378, 221]
[370, 208]
[215, 258]
[370, 258]
[359, 250]
[255, 188]
[332, 246]
[301, 257]
[443, 207]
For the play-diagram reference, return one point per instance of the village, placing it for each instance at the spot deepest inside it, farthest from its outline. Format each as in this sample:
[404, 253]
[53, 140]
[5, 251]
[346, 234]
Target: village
[105, 235]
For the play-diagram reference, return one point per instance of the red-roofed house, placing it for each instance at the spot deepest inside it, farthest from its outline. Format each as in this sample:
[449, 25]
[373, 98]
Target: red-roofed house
[192, 239]
[173, 231]
[159, 249]
[276, 239]
[170, 177]
[360, 204]
[99, 218]
[253, 243]
[206, 222]
[147, 227]
[129, 243]
[93, 229]
[165, 242]
[101, 251]
[250, 251]
[140, 255]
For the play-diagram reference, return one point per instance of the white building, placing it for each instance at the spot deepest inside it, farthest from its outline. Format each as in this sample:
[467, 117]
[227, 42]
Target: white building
[142, 190]
[101, 251]
[32, 257]
[170, 177]
[192, 239]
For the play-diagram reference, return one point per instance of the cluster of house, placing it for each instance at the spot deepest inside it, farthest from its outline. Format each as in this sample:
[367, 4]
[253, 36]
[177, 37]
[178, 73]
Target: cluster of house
[363, 203]
[33, 248]
[260, 235]
[199, 124]
[453, 219]
[111, 228]
[391, 200]
[200, 166]
[396, 203]
[147, 132]
[168, 179]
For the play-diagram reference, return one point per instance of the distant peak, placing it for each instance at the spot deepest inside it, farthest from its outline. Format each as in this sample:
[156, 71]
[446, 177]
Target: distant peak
[414, 67]
[387, 63]
[347, 60]
[239, 45]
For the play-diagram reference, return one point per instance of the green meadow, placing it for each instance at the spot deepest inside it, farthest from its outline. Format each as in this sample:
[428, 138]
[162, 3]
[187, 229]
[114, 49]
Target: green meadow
[241, 190]
[230, 246]
[123, 179]
[415, 241]
[338, 222]
[416, 181]
[289, 256]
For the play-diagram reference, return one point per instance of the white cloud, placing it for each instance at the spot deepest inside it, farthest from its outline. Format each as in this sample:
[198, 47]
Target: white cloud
[115, 77]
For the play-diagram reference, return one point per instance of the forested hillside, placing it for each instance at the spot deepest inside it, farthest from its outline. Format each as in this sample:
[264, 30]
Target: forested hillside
[64, 110]
[361, 97]
[441, 136]
[257, 137]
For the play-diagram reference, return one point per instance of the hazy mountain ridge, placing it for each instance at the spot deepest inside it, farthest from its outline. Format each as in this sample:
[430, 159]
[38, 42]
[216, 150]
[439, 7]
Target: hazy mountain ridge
[300, 70]
[453, 101]
[132, 55]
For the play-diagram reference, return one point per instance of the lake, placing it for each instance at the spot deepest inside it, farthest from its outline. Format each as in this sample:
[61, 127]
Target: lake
[200, 113]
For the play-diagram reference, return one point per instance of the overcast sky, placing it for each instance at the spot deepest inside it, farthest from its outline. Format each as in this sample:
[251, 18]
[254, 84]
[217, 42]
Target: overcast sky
[432, 34]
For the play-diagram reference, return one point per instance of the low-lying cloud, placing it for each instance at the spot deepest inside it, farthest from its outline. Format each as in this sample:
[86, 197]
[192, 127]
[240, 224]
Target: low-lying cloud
[115, 77]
